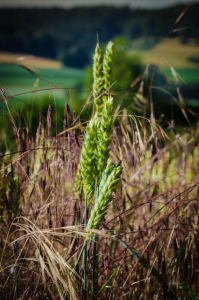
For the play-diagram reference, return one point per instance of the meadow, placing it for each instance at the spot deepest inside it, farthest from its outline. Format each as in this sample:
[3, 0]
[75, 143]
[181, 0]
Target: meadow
[169, 52]
[171, 56]
[17, 78]
[101, 209]
[32, 83]
[176, 63]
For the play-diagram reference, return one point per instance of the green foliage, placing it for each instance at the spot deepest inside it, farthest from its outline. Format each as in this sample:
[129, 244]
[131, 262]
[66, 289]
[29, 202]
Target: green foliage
[145, 43]
[125, 68]
[190, 295]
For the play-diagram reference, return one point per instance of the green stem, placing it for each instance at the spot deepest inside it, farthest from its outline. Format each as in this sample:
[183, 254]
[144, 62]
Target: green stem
[108, 280]
[85, 248]
[79, 257]
[94, 261]
[94, 254]
[15, 269]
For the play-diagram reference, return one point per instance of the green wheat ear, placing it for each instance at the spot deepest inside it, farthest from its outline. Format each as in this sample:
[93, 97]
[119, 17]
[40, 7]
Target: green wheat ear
[103, 134]
[107, 68]
[88, 162]
[95, 152]
[110, 178]
[98, 80]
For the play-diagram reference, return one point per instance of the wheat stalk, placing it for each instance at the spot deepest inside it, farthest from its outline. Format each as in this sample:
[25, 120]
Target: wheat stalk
[94, 155]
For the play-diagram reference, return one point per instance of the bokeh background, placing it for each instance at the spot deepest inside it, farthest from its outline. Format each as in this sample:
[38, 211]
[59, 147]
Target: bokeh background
[47, 46]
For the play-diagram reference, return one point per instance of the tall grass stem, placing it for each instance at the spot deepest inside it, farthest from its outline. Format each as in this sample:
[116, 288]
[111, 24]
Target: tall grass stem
[94, 268]
[85, 248]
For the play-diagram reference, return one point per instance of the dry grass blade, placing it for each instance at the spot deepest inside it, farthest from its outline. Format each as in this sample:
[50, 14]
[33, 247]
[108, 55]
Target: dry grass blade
[52, 263]
[180, 17]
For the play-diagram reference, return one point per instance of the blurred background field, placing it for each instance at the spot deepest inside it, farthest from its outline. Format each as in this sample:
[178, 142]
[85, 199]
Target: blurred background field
[46, 58]
[32, 83]
[17, 79]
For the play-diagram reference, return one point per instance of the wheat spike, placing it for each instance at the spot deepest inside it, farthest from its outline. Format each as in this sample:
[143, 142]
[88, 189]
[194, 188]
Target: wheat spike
[104, 132]
[98, 81]
[107, 68]
[110, 178]
[88, 164]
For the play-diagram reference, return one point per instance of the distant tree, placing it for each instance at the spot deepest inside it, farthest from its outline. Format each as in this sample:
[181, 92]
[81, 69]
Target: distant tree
[184, 40]
[126, 67]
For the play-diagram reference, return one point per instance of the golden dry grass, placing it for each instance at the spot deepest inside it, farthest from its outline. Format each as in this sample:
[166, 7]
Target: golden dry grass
[172, 51]
[29, 60]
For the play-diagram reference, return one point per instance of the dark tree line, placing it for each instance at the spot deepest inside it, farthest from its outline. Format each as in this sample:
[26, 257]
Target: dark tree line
[70, 35]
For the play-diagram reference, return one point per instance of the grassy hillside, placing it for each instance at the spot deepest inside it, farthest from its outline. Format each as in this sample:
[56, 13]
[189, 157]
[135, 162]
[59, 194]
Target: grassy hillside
[177, 66]
[31, 89]
[17, 79]
[171, 53]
